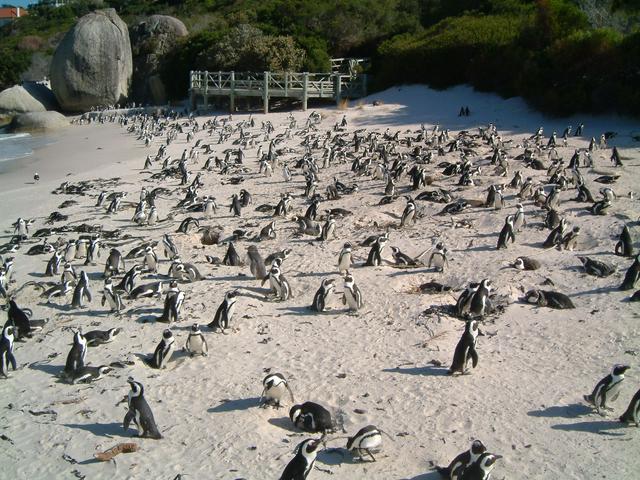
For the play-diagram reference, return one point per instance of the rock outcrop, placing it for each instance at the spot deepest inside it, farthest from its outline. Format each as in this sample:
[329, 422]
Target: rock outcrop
[151, 39]
[18, 100]
[39, 122]
[92, 65]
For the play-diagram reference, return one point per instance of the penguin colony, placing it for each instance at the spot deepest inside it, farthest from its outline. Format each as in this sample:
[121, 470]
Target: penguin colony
[151, 263]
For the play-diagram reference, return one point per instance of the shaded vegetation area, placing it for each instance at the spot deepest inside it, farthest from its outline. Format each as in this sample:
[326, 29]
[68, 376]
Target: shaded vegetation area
[563, 56]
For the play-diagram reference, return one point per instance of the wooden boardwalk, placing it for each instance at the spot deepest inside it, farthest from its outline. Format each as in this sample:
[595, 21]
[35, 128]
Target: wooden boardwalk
[336, 86]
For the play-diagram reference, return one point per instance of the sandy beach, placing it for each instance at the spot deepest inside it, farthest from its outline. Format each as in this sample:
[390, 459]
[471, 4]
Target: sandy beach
[387, 365]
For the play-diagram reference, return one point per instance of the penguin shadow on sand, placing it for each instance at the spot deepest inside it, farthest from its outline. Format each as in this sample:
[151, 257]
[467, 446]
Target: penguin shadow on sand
[109, 430]
[575, 410]
[596, 291]
[228, 405]
[434, 475]
[286, 424]
[427, 370]
[600, 427]
[53, 370]
[337, 456]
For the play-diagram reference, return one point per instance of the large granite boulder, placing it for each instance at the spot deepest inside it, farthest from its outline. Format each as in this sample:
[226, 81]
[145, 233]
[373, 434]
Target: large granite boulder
[39, 122]
[151, 40]
[18, 100]
[92, 65]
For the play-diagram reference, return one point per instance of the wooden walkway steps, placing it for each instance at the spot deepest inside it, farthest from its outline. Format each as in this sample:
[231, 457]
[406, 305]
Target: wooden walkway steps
[336, 86]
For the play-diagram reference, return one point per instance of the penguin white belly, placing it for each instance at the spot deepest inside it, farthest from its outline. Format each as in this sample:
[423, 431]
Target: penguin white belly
[195, 344]
[352, 303]
[371, 442]
[614, 390]
[276, 392]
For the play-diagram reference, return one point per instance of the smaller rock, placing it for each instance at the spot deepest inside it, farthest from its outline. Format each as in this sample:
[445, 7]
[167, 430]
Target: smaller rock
[39, 122]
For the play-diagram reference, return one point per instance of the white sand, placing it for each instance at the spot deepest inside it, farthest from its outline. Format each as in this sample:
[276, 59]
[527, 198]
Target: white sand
[524, 400]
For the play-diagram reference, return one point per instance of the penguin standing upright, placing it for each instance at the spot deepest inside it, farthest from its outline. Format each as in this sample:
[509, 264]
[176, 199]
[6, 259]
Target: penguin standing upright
[462, 461]
[352, 296]
[375, 254]
[302, 463]
[624, 247]
[139, 412]
[438, 258]
[77, 354]
[53, 265]
[344, 258]
[507, 233]
[480, 300]
[632, 414]
[224, 314]
[81, 291]
[163, 351]
[481, 469]
[466, 349]
[115, 263]
[172, 304]
[409, 213]
[608, 388]
[6, 350]
[632, 275]
[319, 303]
[236, 206]
[110, 296]
[196, 343]
[256, 263]
[274, 387]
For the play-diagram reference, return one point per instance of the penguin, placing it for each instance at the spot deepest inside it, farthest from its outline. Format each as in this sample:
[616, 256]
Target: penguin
[624, 247]
[597, 268]
[506, 233]
[20, 319]
[279, 284]
[632, 414]
[170, 249]
[139, 412]
[570, 240]
[110, 296]
[115, 263]
[93, 251]
[328, 229]
[409, 213]
[352, 296]
[480, 303]
[345, 260]
[274, 387]
[277, 256]
[6, 350]
[147, 290]
[632, 275]
[320, 298]
[608, 388]
[268, 232]
[172, 304]
[129, 280]
[466, 349]
[224, 314]
[438, 258]
[70, 251]
[150, 259]
[366, 440]
[236, 206]
[68, 274]
[53, 265]
[196, 344]
[519, 220]
[375, 254]
[302, 463]
[58, 290]
[311, 417]
[555, 237]
[462, 461]
[526, 263]
[89, 374]
[546, 298]
[100, 337]
[481, 469]
[76, 356]
[231, 258]
[256, 263]
[163, 351]
[81, 291]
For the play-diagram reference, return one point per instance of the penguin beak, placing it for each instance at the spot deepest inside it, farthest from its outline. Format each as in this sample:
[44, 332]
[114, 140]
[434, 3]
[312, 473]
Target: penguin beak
[498, 457]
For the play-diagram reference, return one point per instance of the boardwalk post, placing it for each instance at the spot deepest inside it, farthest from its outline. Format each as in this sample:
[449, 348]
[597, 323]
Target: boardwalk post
[232, 95]
[206, 90]
[265, 93]
[305, 88]
[192, 93]
[286, 84]
[338, 88]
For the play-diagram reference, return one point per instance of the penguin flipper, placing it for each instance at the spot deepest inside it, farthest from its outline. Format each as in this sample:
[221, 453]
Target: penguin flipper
[474, 356]
[12, 360]
[444, 471]
[128, 418]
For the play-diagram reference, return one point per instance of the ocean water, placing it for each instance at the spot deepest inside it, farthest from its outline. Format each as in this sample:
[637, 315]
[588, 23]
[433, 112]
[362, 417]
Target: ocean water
[14, 146]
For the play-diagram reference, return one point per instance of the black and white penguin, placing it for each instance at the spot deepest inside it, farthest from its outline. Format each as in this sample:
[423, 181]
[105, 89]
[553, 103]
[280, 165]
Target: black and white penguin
[81, 291]
[93, 251]
[100, 337]
[345, 260]
[466, 349]
[311, 417]
[196, 343]
[367, 440]
[632, 275]
[481, 469]
[632, 414]
[20, 319]
[624, 247]
[139, 412]
[89, 374]
[110, 296]
[409, 213]
[236, 206]
[6, 350]
[551, 299]
[53, 265]
[150, 259]
[319, 303]
[507, 233]
[570, 240]
[128, 282]
[163, 351]
[280, 256]
[172, 304]
[526, 263]
[462, 461]
[328, 229]
[170, 249]
[352, 296]
[76, 356]
[479, 304]
[224, 314]
[597, 268]
[302, 463]
[438, 258]
[274, 387]
[115, 263]
[608, 388]
[147, 290]
[375, 254]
